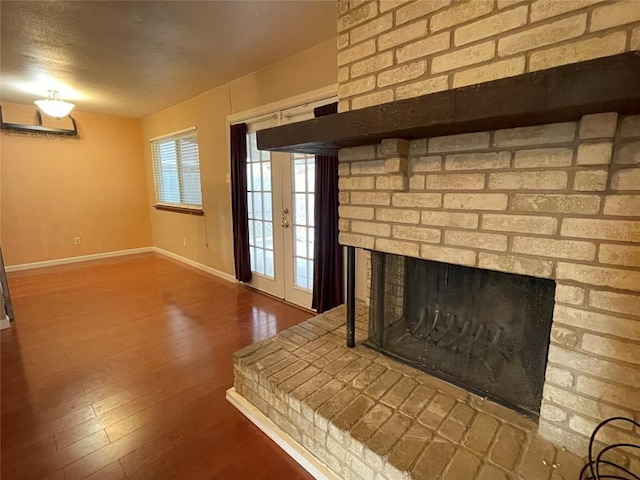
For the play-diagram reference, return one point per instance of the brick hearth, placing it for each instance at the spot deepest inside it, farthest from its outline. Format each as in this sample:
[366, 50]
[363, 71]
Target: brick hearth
[368, 417]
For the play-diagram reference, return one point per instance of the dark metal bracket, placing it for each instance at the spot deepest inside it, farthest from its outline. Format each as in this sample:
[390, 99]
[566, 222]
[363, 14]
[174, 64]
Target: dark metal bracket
[39, 128]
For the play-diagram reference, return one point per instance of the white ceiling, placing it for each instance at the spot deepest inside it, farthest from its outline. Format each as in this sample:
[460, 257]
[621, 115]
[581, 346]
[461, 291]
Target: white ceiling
[134, 58]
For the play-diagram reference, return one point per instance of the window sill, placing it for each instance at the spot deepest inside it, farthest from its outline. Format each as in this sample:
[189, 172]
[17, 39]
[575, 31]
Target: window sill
[171, 208]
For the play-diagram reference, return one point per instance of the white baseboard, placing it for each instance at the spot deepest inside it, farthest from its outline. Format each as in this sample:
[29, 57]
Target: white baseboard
[81, 258]
[296, 451]
[193, 263]
[5, 323]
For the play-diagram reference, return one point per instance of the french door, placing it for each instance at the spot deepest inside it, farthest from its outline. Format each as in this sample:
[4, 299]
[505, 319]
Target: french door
[280, 198]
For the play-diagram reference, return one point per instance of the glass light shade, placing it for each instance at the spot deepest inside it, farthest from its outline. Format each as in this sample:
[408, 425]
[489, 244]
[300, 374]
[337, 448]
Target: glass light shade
[53, 106]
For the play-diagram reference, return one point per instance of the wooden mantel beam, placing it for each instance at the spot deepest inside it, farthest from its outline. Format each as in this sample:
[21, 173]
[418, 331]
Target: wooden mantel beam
[565, 93]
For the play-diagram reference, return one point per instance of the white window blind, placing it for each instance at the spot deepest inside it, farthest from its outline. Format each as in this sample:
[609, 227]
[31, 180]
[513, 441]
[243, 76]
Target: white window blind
[176, 169]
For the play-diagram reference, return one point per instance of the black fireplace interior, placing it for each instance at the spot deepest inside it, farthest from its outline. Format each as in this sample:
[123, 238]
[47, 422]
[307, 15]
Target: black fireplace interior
[483, 330]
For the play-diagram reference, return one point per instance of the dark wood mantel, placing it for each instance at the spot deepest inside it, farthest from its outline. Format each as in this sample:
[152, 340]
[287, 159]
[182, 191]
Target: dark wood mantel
[565, 93]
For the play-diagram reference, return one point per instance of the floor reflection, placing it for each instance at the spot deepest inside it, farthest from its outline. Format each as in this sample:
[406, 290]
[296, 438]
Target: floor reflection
[264, 324]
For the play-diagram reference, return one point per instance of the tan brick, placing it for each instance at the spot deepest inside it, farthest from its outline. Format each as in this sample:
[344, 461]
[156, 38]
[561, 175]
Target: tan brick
[365, 152]
[357, 87]
[635, 39]
[628, 154]
[462, 142]
[402, 73]
[492, 25]
[601, 229]
[417, 10]
[357, 16]
[433, 460]
[608, 347]
[406, 451]
[598, 322]
[390, 147]
[399, 248]
[384, 439]
[478, 161]
[579, 51]
[560, 376]
[423, 200]
[626, 179]
[630, 125]
[622, 205]
[344, 225]
[549, 203]
[476, 201]
[451, 181]
[356, 183]
[626, 255]
[488, 241]
[450, 219]
[344, 169]
[547, 247]
[463, 465]
[579, 403]
[609, 277]
[539, 134]
[343, 74]
[481, 434]
[594, 153]
[615, 302]
[370, 422]
[370, 228]
[544, 157]
[419, 234]
[607, 434]
[564, 336]
[426, 164]
[371, 29]
[370, 167]
[368, 376]
[397, 215]
[612, 15]
[418, 147]
[508, 447]
[399, 392]
[370, 198]
[372, 64]
[569, 294]
[544, 9]
[519, 223]
[416, 182]
[552, 413]
[492, 71]
[460, 13]
[515, 264]
[344, 105]
[376, 98]
[356, 53]
[401, 35]
[598, 125]
[491, 472]
[344, 198]
[386, 5]
[417, 400]
[343, 41]
[398, 182]
[590, 180]
[624, 396]
[423, 87]
[360, 213]
[360, 241]
[457, 256]
[538, 180]
[424, 47]
[464, 57]
[542, 35]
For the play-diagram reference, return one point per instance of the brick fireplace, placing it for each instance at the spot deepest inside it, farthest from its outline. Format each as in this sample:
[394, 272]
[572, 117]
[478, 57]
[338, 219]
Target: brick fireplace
[553, 201]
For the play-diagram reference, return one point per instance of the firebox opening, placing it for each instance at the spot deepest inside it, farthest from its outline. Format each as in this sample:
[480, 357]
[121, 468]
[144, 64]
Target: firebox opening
[485, 331]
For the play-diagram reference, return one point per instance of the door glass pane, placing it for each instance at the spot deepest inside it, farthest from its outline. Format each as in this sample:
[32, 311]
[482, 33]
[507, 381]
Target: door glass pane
[259, 198]
[303, 172]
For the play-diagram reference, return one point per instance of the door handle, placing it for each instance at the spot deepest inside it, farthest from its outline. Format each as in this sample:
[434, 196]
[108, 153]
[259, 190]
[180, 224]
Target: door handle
[285, 223]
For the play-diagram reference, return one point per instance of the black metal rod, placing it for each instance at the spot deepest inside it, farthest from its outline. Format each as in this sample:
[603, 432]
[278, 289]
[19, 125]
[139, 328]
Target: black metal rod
[351, 297]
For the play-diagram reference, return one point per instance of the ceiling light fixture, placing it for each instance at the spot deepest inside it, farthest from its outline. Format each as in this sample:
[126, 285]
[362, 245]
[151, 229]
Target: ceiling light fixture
[53, 106]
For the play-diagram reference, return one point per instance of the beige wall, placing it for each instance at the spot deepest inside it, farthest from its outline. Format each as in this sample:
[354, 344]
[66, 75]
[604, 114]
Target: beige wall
[55, 189]
[209, 239]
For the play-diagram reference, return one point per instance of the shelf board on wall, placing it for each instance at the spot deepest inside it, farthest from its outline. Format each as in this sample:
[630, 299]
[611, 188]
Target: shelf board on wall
[559, 94]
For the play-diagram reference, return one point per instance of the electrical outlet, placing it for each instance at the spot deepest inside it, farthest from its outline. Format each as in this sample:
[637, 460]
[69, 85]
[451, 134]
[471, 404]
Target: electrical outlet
[184, 242]
[228, 178]
[76, 241]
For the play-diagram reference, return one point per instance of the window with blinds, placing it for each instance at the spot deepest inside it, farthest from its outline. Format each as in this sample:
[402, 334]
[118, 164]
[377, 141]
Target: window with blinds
[176, 169]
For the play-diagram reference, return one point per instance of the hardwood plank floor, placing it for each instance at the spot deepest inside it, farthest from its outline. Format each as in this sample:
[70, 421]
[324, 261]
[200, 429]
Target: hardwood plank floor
[118, 369]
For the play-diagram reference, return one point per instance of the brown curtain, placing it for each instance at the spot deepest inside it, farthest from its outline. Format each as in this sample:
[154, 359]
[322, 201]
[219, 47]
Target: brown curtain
[239, 202]
[327, 266]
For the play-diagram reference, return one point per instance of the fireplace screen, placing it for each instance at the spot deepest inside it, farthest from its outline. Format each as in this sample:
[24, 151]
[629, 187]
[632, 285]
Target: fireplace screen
[483, 330]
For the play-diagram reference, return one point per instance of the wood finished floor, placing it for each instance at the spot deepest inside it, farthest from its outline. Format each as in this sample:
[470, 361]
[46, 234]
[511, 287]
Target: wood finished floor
[118, 369]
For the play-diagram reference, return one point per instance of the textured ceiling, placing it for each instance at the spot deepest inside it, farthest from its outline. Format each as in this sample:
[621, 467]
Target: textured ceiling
[134, 58]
